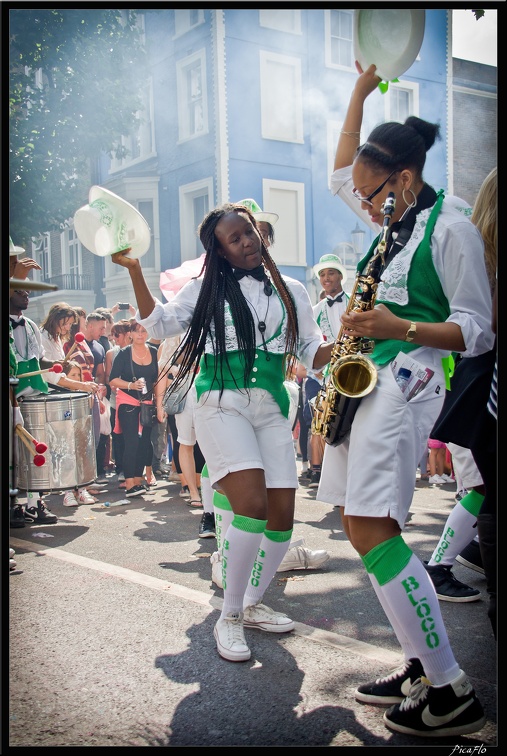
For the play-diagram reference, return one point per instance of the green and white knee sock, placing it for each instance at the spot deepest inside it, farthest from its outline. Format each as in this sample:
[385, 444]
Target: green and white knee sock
[459, 529]
[223, 517]
[272, 549]
[405, 591]
[239, 550]
[206, 491]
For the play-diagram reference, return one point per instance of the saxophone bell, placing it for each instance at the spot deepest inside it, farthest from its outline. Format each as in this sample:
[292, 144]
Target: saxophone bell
[354, 376]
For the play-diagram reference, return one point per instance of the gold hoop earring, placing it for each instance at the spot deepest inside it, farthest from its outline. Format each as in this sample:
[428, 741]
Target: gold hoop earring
[414, 202]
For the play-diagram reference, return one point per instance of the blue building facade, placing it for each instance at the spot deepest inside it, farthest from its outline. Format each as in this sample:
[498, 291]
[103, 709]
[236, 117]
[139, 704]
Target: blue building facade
[249, 103]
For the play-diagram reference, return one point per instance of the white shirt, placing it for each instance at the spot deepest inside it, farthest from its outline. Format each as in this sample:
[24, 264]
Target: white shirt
[27, 345]
[53, 350]
[174, 317]
[331, 315]
[457, 251]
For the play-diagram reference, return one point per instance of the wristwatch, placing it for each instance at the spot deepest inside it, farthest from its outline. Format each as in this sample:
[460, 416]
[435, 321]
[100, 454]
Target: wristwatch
[412, 332]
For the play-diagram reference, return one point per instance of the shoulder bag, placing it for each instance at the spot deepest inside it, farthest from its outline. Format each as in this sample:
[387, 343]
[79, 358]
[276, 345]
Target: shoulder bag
[458, 422]
[175, 398]
[147, 410]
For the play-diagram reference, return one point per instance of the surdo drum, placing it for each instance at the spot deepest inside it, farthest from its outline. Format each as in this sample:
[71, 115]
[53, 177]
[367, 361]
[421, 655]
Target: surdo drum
[64, 423]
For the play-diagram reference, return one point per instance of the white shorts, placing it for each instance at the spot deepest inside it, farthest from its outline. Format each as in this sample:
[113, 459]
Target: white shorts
[185, 420]
[243, 433]
[465, 469]
[373, 472]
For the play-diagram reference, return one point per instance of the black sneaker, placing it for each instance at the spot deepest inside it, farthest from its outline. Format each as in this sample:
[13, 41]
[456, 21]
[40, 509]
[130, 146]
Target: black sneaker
[470, 556]
[314, 479]
[431, 712]
[135, 491]
[17, 517]
[40, 514]
[448, 587]
[207, 525]
[394, 687]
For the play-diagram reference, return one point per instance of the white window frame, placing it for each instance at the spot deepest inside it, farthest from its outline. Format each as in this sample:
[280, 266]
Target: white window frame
[188, 233]
[327, 40]
[270, 101]
[66, 245]
[290, 230]
[182, 68]
[412, 88]
[146, 132]
[182, 23]
[282, 20]
[41, 248]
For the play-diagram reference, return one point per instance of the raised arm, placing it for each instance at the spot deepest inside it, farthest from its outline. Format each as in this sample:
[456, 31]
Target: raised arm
[350, 133]
[144, 298]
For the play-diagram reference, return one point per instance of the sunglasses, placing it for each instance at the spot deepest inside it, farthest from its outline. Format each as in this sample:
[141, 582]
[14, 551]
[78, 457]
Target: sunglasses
[367, 200]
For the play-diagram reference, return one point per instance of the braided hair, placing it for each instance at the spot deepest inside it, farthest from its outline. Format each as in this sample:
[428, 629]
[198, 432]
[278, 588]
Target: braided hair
[394, 146]
[219, 285]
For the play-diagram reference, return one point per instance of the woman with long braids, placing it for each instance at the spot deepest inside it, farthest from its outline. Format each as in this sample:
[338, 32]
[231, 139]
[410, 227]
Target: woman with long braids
[244, 325]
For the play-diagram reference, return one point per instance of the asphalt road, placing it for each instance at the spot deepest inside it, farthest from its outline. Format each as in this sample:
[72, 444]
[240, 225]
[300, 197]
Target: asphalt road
[111, 634]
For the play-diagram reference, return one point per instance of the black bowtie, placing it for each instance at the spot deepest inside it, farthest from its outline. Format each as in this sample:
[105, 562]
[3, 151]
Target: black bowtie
[331, 302]
[259, 273]
[16, 323]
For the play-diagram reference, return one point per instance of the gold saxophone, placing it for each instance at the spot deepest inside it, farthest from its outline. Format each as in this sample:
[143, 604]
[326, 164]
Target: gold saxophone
[352, 374]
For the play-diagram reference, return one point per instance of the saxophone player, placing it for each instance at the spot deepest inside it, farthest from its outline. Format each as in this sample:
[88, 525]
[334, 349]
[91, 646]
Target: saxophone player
[432, 299]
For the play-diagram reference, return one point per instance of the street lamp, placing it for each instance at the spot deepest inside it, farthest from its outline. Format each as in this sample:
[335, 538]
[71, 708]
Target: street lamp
[358, 240]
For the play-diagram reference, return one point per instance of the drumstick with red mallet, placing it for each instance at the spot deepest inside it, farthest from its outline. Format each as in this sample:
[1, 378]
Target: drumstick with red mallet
[57, 368]
[38, 459]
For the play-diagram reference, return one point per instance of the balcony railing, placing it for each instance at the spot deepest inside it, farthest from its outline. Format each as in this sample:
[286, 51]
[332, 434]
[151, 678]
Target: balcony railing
[72, 281]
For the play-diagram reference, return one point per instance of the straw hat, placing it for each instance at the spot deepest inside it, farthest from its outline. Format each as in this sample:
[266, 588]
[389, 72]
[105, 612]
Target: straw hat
[110, 224]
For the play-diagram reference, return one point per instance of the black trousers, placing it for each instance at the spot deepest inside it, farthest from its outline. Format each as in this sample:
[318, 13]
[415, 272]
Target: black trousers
[138, 452]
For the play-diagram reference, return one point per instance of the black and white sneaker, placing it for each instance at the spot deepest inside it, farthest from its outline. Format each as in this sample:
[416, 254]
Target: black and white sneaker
[39, 514]
[445, 711]
[314, 479]
[392, 688]
[471, 557]
[17, 517]
[207, 525]
[135, 491]
[448, 587]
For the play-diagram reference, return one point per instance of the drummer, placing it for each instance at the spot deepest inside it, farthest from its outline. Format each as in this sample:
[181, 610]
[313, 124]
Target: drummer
[30, 353]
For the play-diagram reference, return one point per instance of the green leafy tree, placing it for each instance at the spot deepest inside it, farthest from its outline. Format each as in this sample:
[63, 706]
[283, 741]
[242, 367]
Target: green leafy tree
[76, 78]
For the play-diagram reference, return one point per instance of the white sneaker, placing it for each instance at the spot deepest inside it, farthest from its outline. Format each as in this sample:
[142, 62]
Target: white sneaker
[230, 638]
[121, 477]
[436, 480]
[69, 500]
[216, 569]
[84, 497]
[447, 478]
[264, 618]
[298, 557]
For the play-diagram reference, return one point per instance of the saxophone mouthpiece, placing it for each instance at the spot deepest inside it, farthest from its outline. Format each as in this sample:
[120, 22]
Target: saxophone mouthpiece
[389, 205]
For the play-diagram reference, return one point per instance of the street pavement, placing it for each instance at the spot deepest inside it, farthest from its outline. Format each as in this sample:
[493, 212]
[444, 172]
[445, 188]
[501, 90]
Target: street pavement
[111, 634]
